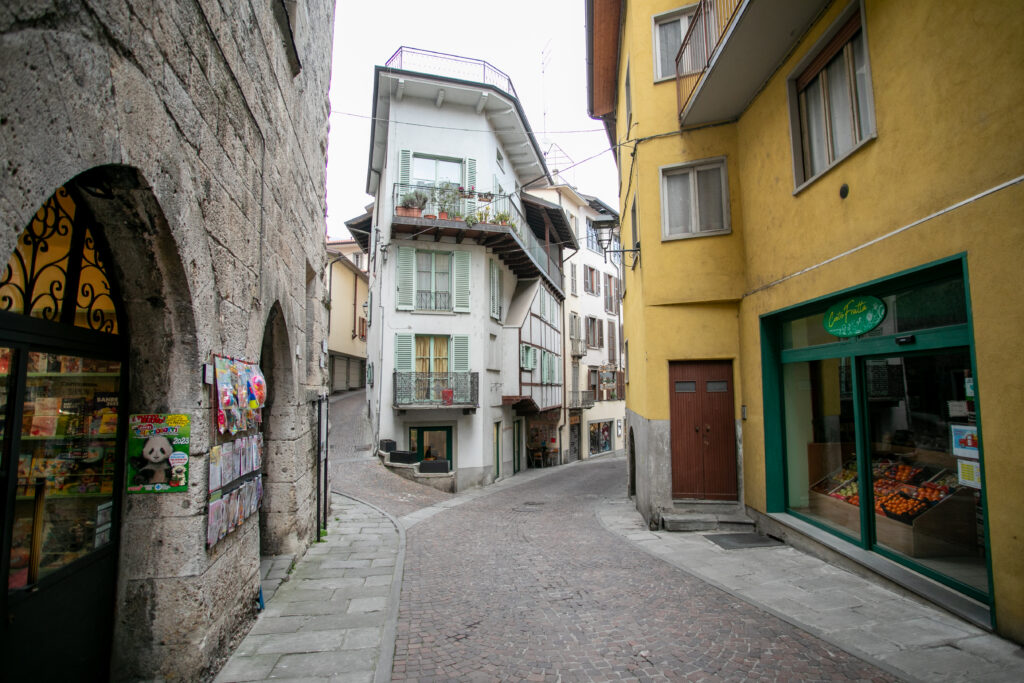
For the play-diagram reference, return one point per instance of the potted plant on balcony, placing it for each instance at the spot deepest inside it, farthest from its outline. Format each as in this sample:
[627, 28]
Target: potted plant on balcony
[447, 197]
[411, 204]
[467, 193]
[485, 196]
[502, 217]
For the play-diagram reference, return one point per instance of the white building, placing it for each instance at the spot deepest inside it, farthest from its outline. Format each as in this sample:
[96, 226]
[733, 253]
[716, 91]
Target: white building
[465, 339]
[595, 399]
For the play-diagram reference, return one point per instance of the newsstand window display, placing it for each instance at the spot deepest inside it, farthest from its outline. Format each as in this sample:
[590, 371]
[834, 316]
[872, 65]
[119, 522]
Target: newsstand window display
[880, 425]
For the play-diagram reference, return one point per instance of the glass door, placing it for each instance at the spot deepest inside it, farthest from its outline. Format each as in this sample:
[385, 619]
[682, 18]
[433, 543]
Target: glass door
[431, 443]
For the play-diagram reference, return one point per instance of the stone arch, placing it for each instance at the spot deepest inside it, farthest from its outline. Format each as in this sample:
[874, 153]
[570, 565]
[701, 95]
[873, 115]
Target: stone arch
[283, 472]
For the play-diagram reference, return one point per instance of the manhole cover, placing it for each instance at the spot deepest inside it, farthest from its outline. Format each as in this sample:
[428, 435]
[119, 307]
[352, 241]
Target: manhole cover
[741, 541]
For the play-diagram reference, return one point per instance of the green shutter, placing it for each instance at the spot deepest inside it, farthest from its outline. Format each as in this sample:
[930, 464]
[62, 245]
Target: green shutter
[461, 276]
[470, 182]
[524, 356]
[404, 168]
[404, 351]
[460, 353]
[406, 279]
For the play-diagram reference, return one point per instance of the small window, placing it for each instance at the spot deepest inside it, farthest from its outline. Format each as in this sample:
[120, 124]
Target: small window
[833, 112]
[695, 200]
[686, 387]
[629, 99]
[500, 160]
[719, 387]
[669, 31]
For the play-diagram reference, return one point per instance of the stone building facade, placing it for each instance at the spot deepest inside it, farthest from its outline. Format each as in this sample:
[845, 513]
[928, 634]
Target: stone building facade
[192, 134]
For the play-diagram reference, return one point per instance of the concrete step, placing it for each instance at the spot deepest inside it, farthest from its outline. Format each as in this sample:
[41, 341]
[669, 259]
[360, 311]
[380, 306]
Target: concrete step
[706, 521]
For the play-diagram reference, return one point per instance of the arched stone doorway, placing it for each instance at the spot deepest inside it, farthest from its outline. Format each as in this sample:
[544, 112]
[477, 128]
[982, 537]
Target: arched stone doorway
[280, 532]
[70, 378]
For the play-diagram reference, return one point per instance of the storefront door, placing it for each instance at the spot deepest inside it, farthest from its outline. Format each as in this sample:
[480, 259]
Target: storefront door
[574, 442]
[703, 431]
[62, 388]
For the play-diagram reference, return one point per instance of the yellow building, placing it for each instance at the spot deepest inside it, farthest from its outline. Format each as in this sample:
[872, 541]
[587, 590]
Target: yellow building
[348, 288]
[823, 320]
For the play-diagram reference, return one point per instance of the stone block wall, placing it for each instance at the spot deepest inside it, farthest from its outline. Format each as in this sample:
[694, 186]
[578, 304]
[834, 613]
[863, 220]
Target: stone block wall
[205, 124]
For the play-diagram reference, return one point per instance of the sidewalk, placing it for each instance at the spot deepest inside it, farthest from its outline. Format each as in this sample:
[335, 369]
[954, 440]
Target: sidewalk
[333, 617]
[907, 638]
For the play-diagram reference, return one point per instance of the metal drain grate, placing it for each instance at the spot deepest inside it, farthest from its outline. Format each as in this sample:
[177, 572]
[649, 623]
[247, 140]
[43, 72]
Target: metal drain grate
[741, 541]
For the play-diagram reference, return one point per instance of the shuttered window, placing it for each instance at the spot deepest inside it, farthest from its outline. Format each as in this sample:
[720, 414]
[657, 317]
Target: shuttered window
[460, 353]
[406, 279]
[495, 287]
[404, 352]
[461, 281]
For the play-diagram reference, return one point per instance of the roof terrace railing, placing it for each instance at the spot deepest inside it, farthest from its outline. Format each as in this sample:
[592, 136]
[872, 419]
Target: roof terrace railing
[451, 66]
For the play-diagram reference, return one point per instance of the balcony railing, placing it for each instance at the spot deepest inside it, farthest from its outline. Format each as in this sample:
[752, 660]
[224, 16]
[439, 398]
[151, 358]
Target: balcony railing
[577, 347]
[436, 389]
[581, 399]
[478, 209]
[707, 26]
[427, 300]
[451, 66]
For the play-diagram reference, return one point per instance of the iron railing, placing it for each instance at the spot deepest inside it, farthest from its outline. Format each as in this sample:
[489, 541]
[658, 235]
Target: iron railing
[436, 389]
[707, 26]
[451, 66]
[479, 208]
[581, 399]
[427, 300]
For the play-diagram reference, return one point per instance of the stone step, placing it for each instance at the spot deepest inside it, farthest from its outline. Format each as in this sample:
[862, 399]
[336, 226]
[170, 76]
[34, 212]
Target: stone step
[706, 521]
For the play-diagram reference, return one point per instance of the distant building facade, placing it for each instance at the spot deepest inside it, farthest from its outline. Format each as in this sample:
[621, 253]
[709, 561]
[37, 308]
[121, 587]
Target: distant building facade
[348, 289]
[594, 387]
[162, 207]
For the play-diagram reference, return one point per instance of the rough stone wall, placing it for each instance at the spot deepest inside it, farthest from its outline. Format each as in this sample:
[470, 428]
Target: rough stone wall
[215, 151]
[653, 465]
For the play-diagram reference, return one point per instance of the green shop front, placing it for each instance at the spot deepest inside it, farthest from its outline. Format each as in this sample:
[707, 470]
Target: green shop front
[873, 430]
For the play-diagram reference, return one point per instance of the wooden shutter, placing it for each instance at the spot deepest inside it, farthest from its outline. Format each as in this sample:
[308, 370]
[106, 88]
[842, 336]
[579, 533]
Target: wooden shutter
[404, 351]
[524, 357]
[461, 277]
[406, 279]
[404, 169]
[470, 183]
[460, 353]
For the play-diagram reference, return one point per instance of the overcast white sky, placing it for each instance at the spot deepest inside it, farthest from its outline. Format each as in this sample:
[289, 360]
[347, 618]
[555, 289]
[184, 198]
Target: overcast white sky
[512, 36]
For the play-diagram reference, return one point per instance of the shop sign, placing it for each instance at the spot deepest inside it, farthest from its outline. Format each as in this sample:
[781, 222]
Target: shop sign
[854, 315]
[574, 419]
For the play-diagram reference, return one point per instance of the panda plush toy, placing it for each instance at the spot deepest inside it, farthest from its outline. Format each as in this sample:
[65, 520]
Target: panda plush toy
[153, 466]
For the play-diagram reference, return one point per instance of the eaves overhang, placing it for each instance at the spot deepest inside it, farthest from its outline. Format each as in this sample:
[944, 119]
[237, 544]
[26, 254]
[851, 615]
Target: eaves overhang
[504, 113]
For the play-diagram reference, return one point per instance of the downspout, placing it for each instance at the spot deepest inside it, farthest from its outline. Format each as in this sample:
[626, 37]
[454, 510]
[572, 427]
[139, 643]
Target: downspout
[355, 298]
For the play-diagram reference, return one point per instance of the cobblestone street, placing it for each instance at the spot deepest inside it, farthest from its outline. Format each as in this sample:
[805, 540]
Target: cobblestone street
[527, 585]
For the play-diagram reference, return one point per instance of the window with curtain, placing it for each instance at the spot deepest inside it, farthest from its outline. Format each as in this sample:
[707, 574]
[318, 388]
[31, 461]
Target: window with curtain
[669, 30]
[695, 200]
[833, 95]
[431, 361]
[433, 281]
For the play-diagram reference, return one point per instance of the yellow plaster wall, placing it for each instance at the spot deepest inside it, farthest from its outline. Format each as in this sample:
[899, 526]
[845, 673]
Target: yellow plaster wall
[947, 105]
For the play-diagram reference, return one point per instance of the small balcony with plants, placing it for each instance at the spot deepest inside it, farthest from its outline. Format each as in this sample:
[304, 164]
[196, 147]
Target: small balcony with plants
[436, 390]
[503, 222]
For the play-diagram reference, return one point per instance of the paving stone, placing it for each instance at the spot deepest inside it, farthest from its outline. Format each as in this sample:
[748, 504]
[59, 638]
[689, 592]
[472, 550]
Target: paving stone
[324, 664]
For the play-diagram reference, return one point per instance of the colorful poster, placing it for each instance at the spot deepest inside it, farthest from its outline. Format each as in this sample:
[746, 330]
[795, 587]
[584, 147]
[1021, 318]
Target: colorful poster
[215, 469]
[965, 440]
[968, 473]
[158, 453]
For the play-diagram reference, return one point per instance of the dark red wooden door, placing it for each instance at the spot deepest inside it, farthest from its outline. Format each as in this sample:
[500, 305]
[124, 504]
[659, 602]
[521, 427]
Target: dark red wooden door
[702, 430]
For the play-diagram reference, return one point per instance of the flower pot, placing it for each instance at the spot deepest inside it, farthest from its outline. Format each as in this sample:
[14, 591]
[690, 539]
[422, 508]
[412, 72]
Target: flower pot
[431, 216]
[408, 211]
[443, 215]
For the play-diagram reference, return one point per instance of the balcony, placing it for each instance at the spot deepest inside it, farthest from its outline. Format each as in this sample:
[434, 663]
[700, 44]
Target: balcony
[731, 49]
[581, 399]
[499, 221]
[577, 348]
[436, 389]
[451, 66]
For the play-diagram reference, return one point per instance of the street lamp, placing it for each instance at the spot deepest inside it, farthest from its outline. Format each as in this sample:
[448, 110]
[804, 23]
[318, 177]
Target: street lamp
[605, 233]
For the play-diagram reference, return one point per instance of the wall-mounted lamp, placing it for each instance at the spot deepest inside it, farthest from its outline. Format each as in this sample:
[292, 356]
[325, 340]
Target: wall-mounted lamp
[605, 233]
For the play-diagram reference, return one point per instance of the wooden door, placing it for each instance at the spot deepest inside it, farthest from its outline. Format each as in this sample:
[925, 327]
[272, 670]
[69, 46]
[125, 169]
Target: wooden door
[702, 430]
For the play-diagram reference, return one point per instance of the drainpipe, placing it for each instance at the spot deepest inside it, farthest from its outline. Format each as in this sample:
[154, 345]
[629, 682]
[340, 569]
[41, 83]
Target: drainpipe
[330, 314]
[355, 297]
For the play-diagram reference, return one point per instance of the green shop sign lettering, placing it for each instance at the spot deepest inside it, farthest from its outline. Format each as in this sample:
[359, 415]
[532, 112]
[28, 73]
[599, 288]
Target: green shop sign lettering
[853, 316]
